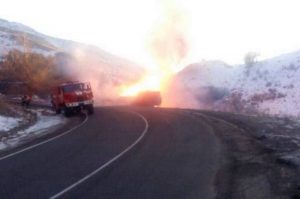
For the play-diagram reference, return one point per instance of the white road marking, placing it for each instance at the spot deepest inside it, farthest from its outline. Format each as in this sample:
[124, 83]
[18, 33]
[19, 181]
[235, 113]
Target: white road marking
[106, 164]
[39, 144]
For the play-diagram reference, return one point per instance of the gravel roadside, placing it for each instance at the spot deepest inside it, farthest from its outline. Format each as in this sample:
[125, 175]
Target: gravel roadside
[261, 155]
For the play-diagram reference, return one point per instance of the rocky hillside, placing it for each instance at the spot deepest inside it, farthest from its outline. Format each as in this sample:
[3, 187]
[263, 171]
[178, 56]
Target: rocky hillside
[269, 86]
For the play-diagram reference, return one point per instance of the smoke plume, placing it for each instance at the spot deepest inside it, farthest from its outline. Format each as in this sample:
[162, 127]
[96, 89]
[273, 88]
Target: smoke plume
[169, 45]
[107, 77]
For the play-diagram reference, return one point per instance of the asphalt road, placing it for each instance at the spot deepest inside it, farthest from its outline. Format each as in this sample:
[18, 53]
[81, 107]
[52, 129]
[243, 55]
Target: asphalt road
[119, 153]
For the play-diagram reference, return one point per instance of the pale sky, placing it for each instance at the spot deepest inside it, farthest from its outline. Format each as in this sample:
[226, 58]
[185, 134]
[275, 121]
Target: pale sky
[216, 29]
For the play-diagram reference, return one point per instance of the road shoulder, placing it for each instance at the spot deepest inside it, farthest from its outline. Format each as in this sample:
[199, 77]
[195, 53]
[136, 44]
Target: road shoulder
[253, 166]
[36, 125]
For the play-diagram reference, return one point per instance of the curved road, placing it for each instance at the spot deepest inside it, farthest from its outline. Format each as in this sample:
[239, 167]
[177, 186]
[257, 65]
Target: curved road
[119, 153]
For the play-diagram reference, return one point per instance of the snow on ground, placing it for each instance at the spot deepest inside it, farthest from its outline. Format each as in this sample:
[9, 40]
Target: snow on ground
[269, 86]
[43, 123]
[46, 121]
[7, 123]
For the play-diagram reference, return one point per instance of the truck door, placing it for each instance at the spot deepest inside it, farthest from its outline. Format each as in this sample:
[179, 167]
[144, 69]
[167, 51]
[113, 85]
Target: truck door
[60, 94]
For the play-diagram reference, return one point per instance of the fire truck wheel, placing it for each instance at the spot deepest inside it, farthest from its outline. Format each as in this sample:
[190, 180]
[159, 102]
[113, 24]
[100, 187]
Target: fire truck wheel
[90, 110]
[66, 111]
[56, 109]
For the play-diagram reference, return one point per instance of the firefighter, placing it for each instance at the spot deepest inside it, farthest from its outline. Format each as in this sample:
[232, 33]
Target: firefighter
[25, 100]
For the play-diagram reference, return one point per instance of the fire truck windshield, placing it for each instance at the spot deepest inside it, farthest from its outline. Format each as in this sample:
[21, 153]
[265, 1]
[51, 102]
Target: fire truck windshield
[72, 87]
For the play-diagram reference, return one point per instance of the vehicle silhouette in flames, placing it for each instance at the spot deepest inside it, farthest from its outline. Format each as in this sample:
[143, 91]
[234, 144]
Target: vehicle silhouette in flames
[148, 98]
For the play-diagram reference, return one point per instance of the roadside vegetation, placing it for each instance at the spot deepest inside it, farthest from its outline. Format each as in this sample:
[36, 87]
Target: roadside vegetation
[5, 109]
[25, 71]
[34, 72]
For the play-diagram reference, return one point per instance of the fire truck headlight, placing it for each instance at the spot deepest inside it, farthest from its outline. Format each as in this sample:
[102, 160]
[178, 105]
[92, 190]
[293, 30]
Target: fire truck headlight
[69, 104]
[88, 102]
[72, 104]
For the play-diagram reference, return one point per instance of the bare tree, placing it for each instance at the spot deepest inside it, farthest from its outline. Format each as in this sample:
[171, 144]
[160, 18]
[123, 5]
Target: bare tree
[250, 58]
[35, 71]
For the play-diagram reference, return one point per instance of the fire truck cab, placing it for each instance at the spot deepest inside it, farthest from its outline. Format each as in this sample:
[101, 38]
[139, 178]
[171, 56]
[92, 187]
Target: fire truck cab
[72, 97]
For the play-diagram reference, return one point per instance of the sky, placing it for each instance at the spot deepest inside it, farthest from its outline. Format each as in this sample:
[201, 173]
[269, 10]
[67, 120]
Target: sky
[214, 29]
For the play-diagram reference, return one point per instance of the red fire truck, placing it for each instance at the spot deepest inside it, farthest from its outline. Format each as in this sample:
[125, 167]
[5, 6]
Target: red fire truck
[72, 97]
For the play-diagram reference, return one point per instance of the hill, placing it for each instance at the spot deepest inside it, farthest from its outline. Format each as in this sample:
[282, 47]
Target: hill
[107, 72]
[269, 87]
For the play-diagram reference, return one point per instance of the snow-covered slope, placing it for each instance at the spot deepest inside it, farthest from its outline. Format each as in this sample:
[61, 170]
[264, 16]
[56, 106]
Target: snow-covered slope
[269, 86]
[17, 36]
[16, 26]
[106, 71]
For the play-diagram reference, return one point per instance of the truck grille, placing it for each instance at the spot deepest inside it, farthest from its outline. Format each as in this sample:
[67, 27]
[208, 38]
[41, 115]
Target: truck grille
[80, 98]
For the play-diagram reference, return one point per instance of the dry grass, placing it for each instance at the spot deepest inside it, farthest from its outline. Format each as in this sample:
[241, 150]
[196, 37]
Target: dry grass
[5, 108]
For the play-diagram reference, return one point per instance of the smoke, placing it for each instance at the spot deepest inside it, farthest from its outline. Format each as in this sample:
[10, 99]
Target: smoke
[107, 77]
[169, 43]
[178, 95]
[169, 46]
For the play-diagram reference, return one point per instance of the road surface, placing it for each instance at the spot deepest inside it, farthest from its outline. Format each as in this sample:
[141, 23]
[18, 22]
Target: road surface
[119, 153]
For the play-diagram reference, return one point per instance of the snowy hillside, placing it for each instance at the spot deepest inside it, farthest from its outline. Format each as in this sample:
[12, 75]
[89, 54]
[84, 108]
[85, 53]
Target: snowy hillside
[16, 26]
[269, 86]
[13, 36]
[106, 71]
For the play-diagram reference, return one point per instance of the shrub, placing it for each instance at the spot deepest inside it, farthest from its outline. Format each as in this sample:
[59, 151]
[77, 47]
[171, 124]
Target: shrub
[4, 108]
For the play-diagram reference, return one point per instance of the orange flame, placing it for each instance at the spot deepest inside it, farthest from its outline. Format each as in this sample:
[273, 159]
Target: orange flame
[149, 83]
[168, 45]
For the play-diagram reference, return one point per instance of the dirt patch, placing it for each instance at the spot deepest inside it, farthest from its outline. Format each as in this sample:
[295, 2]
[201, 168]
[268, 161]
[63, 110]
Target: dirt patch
[5, 109]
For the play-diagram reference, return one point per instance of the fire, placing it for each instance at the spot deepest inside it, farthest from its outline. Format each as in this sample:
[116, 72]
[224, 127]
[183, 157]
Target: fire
[168, 45]
[150, 82]
[156, 80]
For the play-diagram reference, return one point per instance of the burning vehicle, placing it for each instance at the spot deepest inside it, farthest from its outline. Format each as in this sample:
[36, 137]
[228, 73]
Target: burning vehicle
[72, 97]
[148, 98]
